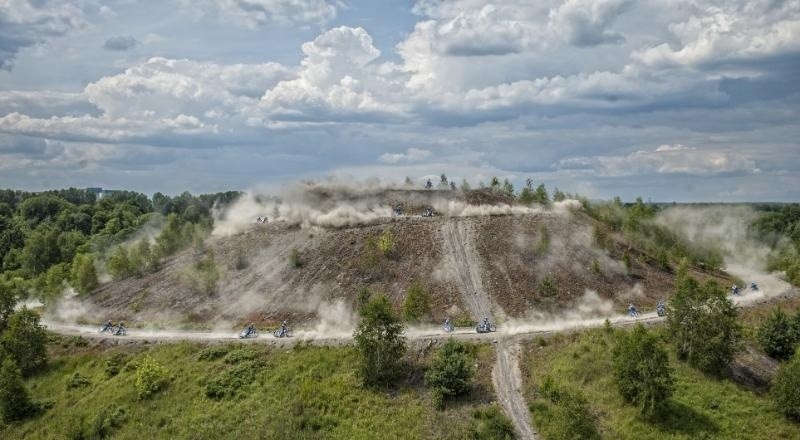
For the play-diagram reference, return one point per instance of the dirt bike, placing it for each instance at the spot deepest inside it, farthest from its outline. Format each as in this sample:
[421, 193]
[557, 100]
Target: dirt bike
[282, 332]
[106, 328]
[486, 327]
[661, 311]
[248, 333]
[448, 327]
[120, 331]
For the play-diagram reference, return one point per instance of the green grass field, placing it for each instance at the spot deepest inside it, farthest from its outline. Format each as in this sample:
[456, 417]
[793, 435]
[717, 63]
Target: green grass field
[701, 408]
[305, 392]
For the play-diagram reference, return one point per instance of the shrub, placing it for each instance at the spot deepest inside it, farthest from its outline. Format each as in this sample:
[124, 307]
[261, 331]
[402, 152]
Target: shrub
[15, 404]
[113, 365]
[386, 243]
[240, 261]
[241, 355]
[105, 423]
[212, 353]
[778, 335]
[294, 259]
[227, 383]
[76, 380]
[491, 424]
[362, 297]
[151, 377]
[119, 264]
[544, 241]
[416, 304]
[547, 287]
[641, 370]
[379, 341]
[570, 412]
[84, 275]
[451, 371]
[786, 388]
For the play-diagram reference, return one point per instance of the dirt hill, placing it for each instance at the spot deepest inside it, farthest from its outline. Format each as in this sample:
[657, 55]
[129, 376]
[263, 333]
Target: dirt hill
[474, 259]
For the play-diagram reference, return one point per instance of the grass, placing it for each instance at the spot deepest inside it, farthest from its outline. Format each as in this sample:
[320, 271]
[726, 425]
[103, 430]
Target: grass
[304, 392]
[701, 408]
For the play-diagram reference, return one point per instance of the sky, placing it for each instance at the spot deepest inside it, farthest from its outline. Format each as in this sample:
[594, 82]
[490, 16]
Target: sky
[682, 100]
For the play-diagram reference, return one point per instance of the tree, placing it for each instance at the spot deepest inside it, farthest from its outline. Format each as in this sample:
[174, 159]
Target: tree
[641, 370]
[15, 404]
[416, 304]
[84, 274]
[777, 335]
[558, 196]
[41, 250]
[702, 322]
[465, 185]
[379, 341]
[119, 264]
[786, 388]
[540, 195]
[443, 182]
[8, 299]
[25, 341]
[451, 371]
[508, 188]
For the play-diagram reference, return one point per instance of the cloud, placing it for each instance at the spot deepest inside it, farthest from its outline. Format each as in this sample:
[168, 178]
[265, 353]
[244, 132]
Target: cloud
[730, 32]
[666, 159]
[27, 23]
[260, 13]
[587, 22]
[120, 44]
[411, 155]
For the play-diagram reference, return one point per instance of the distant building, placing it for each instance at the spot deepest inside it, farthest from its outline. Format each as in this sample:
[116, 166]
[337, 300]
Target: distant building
[100, 192]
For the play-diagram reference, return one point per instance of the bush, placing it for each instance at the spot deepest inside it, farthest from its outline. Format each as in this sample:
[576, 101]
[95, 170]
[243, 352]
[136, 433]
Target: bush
[544, 241]
[228, 383]
[294, 259]
[491, 424]
[778, 335]
[362, 298]
[451, 371]
[241, 355]
[786, 388]
[203, 275]
[113, 365]
[105, 423]
[416, 304]
[150, 378]
[25, 341]
[386, 243]
[570, 412]
[702, 322]
[77, 381]
[15, 404]
[119, 264]
[84, 275]
[547, 287]
[641, 370]
[212, 353]
[379, 341]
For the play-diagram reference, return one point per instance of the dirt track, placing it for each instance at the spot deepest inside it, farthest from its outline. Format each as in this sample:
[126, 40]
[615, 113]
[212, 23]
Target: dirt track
[464, 264]
[507, 380]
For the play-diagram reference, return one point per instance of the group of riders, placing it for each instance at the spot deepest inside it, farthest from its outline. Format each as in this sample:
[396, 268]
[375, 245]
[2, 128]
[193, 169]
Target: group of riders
[485, 326]
[398, 211]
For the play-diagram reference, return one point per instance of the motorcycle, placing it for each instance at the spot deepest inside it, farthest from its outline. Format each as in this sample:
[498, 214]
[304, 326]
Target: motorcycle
[282, 332]
[248, 333]
[661, 310]
[448, 327]
[121, 331]
[486, 327]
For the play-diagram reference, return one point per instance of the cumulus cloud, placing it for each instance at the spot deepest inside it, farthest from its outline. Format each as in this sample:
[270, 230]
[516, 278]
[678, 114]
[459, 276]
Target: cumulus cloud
[259, 13]
[587, 22]
[666, 159]
[27, 23]
[120, 43]
[411, 155]
[729, 32]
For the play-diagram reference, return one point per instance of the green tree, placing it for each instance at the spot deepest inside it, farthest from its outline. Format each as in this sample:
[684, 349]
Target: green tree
[558, 196]
[570, 410]
[495, 183]
[417, 303]
[41, 250]
[641, 370]
[15, 404]
[786, 388]
[703, 326]
[465, 185]
[778, 335]
[119, 264]
[508, 188]
[540, 196]
[452, 370]
[443, 182]
[380, 342]
[84, 274]
[25, 341]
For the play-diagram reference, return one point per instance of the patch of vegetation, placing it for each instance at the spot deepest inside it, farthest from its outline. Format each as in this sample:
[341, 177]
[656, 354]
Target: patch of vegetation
[567, 410]
[294, 259]
[543, 245]
[779, 334]
[386, 243]
[786, 388]
[451, 371]
[15, 403]
[701, 406]
[151, 378]
[641, 370]
[203, 275]
[491, 424]
[777, 223]
[416, 305]
[547, 287]
[77, 380]
[213, 353]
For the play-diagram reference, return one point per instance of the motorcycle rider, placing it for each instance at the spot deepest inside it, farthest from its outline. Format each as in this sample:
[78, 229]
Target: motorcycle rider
[107, 327]
[120, 329]
[632, 310]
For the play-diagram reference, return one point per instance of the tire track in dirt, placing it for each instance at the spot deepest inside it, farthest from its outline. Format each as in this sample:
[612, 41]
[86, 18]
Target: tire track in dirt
[464, 264]
[507, 379]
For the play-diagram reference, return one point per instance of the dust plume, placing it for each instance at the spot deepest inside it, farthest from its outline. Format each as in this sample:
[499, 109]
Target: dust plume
[335, 320]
